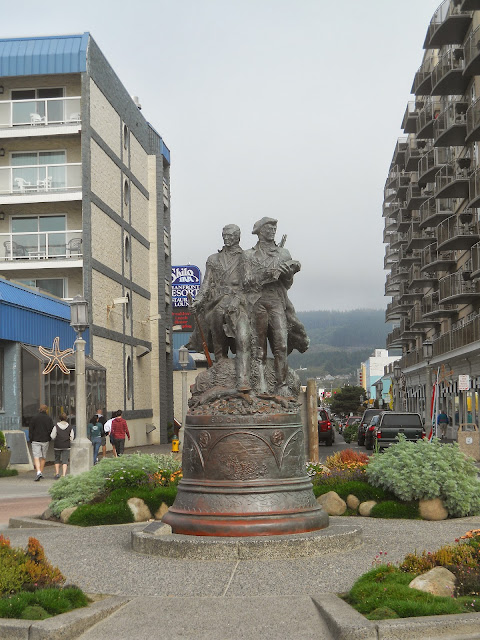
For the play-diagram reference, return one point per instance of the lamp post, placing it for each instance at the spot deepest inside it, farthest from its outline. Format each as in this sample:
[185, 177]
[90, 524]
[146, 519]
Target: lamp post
[183, 360]
[397, 374]
[429, 415]
[81, 453]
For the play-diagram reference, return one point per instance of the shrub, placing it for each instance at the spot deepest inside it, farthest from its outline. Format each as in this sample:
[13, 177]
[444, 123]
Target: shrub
[395, 509]
[73, 491]
[26, 569]
[362, 490]
[5, 473]
[42, 604]
[91, 515]
[347, 460]
[425, 470]
[350, 434]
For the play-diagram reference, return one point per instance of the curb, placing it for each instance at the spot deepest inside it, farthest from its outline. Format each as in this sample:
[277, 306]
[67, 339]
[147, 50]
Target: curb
[33, 522]
[65, 626]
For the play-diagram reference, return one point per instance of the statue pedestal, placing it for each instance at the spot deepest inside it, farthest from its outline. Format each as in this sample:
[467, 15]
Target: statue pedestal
[244, 475]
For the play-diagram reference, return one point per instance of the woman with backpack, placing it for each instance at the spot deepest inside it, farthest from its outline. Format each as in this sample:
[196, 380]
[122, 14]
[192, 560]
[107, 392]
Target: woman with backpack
[62, 435]
[94, 434]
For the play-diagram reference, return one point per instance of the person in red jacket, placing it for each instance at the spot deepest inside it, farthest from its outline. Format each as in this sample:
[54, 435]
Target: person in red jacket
[117, 433]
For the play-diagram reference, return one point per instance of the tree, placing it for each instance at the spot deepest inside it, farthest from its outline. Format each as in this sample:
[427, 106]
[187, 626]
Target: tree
[347, 400]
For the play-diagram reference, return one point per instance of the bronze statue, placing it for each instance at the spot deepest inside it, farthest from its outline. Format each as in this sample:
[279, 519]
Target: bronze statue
[221, 306]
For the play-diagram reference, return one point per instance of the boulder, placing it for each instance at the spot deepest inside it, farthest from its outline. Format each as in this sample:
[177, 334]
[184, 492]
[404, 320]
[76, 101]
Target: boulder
[332, 503]
[47, 514]
[438, 581]
[432, 509]
[139, 509]
[161, 511]
[352, 502]
[365, 508]
[66, 513]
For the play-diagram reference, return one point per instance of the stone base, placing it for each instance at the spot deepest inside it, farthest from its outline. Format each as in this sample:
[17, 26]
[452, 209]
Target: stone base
[151, 540]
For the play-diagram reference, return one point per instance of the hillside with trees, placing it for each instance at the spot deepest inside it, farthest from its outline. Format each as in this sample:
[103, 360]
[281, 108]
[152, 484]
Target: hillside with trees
[340, 340]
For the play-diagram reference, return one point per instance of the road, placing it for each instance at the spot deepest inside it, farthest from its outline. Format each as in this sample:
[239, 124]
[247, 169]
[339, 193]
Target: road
[338, 445]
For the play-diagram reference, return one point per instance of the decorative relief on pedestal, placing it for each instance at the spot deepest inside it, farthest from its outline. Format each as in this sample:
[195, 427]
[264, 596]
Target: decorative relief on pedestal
[238, 469]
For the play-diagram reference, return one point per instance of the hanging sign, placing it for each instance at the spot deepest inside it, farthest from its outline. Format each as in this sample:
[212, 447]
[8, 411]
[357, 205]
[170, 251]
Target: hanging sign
[463, 383]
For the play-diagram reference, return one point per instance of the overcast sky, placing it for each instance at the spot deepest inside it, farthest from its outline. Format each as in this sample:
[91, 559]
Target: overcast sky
[284, 108]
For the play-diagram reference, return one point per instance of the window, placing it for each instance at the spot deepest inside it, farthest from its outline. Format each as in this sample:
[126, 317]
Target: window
[125, 137]
[33, 102]
[128, 308]
[43, 169]
[40, 234]
[54, 286]
[127, 249]
[129, 378]
[126, 194]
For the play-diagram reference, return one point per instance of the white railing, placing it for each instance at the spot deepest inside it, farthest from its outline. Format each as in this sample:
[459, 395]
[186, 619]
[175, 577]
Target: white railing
[34, 113]
[39, 245]
[40, 177]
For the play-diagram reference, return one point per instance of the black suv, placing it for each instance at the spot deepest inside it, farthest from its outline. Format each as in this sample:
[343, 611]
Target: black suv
[365, 421]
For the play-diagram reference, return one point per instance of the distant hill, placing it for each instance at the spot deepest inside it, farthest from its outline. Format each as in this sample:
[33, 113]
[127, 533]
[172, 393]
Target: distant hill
[340, 340]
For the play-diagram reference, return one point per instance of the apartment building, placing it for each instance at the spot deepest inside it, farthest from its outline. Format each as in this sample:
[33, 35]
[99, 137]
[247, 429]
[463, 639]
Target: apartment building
[85, 209]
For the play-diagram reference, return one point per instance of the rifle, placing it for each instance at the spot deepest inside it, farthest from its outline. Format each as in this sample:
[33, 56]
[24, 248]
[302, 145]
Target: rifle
[200, 331]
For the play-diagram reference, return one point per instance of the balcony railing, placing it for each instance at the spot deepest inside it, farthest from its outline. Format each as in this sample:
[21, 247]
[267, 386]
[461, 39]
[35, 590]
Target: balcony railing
[453, 288]
[27, 179]
[422, 81]
[461, 336]
[427, 117]
[450, 127]
[417, 195]
[431, 308]
[474, 189]
[413, 153]
[447, 76]
[434, 210]
[430, 163]
[399, 151]
[41, 245]
[451, 182]
[419, 238]
[458, 232]
[434, 260]
[449, 25]
[473, 120]
[471, 50]
[409, 123]
[40, 113]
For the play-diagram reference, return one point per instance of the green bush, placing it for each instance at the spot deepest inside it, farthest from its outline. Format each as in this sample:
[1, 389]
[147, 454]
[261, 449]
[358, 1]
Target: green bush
[41, 604]
[350, 434]
[425, 470]
[362, 490]
[4, 473]
[73, 491]
[395, 509]
[91, 515]
[128, 478]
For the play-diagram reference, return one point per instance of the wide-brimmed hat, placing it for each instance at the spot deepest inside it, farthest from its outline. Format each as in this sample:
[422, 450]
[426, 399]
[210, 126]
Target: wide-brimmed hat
[260, 223]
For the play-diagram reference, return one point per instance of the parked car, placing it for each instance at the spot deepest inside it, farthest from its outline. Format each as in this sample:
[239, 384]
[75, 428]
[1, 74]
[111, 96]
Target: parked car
[391, 423]
[367, 416]
[369, 433]
[326, 432]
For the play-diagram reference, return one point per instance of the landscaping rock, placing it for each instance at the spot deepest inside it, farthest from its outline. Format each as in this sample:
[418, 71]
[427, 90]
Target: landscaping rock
[66, 513]
[161, 511]
[438, 581]
[139, 509]
[332, 503]
[432, 509]
[366, 507]
[47, 514]
[352, 502]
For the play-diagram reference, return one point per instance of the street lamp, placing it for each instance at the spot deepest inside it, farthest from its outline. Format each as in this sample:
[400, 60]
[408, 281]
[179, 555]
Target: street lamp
[427, 356]
[397, 374]
[183, 360]
[81, 454]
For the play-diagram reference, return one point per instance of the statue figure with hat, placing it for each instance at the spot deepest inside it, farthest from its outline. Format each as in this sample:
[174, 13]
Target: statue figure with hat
[269, 272]
[221, 307]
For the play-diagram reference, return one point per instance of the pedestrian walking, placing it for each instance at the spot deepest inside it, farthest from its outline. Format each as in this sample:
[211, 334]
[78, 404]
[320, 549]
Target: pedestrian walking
[107, 427]
[94, 434]
[101, 418]
[442, 422]
[118, 432]
[62, 435]
[39, 435]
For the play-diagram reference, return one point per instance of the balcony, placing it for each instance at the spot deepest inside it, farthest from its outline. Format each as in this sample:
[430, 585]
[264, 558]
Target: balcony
[449, 25]
[433, 310]
[452, 182]
[392, 285]
[455, 289]
[406, 258]
[396, 240]
[422, 81]
[419, 238]
[430, 163]
[433, 211]
[413, 152]
[463, 334]
[409, 122]
[408, 295]
[394, 339]
[396, 311]
[472, 54]
[417, 195]
[398, 157]
[40, 183]
[473, 122]
[448, 78]
[419, 278]
[390, 225]
[404, 220]
[400, 273]
[49, 248]
[427, 117]
[418, 320]
[39, 117]
[470, 5]
[474, 190]
[434, 261]
[391, 209]
[391, 257]
[458, 233]
[450, 127]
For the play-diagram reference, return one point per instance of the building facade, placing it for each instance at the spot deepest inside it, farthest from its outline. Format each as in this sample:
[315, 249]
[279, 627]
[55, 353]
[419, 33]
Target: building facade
[372, 370]
[432, 233]
[85, 209]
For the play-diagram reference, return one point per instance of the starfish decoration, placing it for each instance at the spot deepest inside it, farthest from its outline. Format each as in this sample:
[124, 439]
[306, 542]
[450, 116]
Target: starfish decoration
[55, 357]
[444, 376]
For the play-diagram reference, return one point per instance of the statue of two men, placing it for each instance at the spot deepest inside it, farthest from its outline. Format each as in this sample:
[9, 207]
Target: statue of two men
[243, 304]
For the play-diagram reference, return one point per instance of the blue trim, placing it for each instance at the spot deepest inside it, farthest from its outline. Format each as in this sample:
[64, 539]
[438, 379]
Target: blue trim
[165, 152]
[44, 55]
